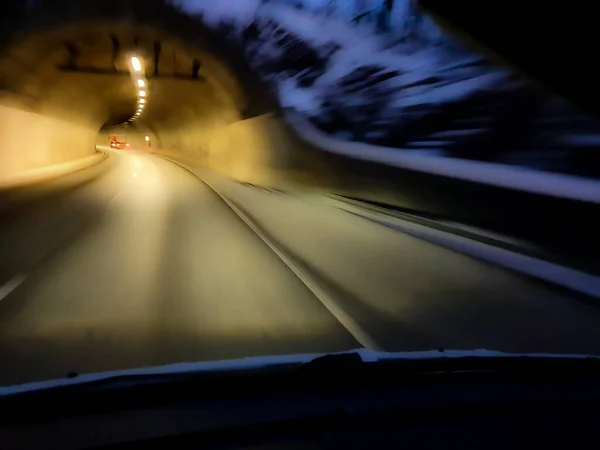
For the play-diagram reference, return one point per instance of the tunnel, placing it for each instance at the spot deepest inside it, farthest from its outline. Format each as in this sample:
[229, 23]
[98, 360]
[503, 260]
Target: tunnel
[67, 86]
[233, 232]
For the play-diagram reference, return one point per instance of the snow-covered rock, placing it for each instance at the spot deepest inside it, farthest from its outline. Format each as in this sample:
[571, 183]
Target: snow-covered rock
[413, 87]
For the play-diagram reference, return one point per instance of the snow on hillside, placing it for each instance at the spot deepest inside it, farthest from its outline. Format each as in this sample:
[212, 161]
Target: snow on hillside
[349, 48]
[241, 12]
[412, 88]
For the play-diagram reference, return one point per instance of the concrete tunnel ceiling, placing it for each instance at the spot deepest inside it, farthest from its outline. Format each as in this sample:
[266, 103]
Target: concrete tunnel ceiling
[81, 74]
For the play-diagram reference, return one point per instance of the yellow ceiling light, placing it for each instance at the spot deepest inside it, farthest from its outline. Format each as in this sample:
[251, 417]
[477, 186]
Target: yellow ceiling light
[136, 64]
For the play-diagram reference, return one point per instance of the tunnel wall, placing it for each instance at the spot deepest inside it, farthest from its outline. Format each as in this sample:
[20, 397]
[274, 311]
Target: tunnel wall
[253, 150]
[32, 141]
[260, 150]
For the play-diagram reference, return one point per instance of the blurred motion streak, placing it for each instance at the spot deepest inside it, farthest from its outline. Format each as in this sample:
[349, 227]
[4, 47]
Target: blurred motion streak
[129, 259]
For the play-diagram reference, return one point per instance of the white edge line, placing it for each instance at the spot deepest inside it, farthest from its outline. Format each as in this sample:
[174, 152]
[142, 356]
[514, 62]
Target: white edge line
[552, 273]
[361, 336]
[11, 285]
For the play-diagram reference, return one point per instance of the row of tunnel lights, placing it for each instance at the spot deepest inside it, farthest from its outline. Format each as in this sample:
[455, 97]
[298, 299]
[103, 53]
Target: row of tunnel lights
[141, 85]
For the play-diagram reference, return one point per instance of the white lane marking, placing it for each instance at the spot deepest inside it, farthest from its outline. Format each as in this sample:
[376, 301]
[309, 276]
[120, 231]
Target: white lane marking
[566, 277]
[321, 293]
[11, 285]
[361, 336]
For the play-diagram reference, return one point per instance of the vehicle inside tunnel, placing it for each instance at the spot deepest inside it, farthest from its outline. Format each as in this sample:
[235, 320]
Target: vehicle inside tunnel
[322, 223]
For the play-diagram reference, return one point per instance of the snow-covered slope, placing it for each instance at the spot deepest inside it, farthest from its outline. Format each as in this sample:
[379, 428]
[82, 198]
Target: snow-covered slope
[413, 88]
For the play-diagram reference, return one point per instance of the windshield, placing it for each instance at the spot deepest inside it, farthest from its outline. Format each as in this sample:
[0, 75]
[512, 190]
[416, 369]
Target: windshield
[299, 177]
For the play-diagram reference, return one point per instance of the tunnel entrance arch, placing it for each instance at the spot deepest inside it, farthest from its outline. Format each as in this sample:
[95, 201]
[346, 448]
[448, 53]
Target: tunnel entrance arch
[68, 78]
[38, 62]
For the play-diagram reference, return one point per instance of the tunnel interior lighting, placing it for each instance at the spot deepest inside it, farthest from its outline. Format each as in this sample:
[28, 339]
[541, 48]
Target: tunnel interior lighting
[147, 138]
[141, 84]
[136, 64]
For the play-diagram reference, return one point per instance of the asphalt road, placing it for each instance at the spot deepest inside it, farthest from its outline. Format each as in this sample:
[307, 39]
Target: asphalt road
[143, 264]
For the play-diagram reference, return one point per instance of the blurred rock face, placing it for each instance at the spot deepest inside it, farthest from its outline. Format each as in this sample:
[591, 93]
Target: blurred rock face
[453, 103]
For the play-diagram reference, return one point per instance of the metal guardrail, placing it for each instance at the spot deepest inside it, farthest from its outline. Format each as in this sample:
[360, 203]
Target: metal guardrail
[565, 227]
[583, 286]
[522, 247]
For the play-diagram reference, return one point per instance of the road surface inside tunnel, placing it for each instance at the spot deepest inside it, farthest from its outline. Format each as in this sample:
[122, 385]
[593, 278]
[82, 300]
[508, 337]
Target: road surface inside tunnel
[156, 268]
